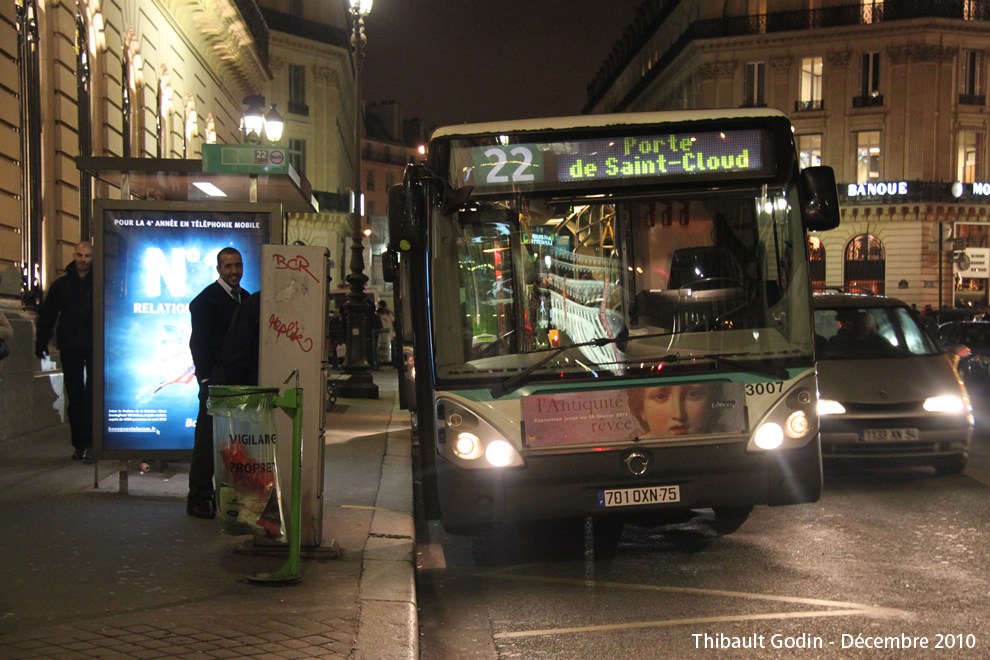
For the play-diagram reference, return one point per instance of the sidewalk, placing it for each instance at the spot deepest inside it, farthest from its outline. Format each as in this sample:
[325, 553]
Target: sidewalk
[89, 572]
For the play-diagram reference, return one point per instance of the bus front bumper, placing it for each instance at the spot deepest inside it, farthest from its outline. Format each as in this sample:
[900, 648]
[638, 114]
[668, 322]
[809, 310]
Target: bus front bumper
[569, 485]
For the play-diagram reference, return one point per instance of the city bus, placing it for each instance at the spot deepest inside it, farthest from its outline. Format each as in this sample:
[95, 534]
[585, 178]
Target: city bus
[610, 315]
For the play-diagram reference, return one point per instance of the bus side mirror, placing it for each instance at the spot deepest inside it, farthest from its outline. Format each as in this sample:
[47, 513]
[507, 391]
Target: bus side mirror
[819, 198]
[400, 230]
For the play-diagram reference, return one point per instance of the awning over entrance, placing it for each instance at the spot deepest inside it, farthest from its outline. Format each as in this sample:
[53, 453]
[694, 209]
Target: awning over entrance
[172, 179]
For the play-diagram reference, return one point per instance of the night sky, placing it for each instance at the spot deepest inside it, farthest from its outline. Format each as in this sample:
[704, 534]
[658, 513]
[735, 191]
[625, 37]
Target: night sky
[456, 61]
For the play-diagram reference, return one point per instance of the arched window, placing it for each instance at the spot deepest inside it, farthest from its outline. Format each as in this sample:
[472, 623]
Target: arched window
[865, 264]
[816, 263]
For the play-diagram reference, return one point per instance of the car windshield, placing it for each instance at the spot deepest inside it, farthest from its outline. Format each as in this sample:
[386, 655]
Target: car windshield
[870, 332]
[619, 286]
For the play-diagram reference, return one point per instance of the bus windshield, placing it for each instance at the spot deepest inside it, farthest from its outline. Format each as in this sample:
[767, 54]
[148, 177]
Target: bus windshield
[610, 286]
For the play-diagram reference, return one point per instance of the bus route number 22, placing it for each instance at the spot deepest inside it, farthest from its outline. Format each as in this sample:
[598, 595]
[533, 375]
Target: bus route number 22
[514, 161]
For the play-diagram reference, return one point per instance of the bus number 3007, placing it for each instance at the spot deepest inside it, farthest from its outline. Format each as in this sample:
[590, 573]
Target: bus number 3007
[637, 496]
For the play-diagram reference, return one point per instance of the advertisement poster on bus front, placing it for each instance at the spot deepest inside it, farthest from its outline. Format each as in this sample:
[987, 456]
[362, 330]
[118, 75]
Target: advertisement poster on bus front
[152, 261]
[603, 417]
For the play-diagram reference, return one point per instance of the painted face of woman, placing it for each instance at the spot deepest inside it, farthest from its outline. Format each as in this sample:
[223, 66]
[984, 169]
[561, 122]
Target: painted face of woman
[676, 410]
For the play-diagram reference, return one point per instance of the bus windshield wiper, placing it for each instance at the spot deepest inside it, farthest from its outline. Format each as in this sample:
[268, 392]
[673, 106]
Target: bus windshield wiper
[779, 373]
[499, 389]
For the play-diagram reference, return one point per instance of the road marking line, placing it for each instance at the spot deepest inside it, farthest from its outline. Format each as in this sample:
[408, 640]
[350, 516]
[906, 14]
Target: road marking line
[678, 622]
[880, 611]
[846, 608]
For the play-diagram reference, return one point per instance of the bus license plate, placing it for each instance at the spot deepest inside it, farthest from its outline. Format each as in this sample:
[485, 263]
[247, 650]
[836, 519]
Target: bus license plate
[890, 435]
[637, 496]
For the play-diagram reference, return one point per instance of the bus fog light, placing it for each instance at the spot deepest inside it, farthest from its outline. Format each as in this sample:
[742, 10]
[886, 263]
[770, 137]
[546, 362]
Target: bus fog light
[797, 425]
[769, 436]
[500, 453]
[468, 446]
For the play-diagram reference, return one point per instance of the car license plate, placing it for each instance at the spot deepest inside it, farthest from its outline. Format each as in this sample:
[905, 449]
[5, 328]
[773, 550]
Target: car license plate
[638, 496]
[890, 435]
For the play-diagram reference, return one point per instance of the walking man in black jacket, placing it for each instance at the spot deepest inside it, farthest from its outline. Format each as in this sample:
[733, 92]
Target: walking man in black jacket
[68, 312]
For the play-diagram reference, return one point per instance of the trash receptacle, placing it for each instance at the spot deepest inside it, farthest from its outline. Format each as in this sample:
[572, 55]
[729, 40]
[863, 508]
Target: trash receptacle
[244, 437]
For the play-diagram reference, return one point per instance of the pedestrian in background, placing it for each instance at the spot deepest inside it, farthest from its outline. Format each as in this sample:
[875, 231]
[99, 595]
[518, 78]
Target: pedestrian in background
[6, 332]
[211, 311]
[67, 311]
[387, 335]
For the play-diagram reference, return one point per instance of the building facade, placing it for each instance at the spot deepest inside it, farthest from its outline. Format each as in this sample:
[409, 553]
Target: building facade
[891, 95]
[135, 79]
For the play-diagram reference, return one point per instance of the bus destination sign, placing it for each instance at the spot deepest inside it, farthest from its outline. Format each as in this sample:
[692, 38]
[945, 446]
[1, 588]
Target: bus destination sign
[626, 159]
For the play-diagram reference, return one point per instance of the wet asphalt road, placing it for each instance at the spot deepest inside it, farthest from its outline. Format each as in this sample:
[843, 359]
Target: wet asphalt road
[892, 558]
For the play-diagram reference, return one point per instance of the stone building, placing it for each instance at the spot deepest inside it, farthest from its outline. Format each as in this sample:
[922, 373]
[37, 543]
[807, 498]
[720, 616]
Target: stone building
[149, 79]
[891, 95]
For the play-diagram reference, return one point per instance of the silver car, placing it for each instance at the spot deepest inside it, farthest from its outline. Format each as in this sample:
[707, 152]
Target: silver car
[888, 392]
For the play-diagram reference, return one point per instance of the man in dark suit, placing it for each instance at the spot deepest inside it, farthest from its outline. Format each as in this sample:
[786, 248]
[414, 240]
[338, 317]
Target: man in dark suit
[211, 312]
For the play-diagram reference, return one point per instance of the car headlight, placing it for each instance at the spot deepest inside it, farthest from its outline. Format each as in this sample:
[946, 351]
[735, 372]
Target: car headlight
[947, 403]
[829, 407]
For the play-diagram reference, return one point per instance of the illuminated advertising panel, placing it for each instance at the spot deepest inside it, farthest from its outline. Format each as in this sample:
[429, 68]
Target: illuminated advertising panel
[612, 159]
[668, 412]
[152, 260]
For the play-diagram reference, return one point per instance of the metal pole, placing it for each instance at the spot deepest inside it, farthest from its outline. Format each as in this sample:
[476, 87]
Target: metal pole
[359, 383]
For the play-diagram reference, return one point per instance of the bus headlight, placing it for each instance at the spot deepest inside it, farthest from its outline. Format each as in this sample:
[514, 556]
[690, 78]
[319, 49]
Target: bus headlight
[790, 422]
[467, 446]
[469, 440]
[829, 407]
[500, 453]
[769, 436]
[797, 425]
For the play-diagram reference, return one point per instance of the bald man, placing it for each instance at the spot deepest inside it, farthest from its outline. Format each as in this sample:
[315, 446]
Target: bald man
[67, 312]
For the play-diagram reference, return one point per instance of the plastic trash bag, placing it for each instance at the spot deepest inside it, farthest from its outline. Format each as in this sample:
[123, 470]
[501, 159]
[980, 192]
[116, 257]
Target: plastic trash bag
[244, 435]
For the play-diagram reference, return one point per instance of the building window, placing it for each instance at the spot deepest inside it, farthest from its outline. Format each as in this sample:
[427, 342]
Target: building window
[867, 156]
[297, 90]
[872, 11]
[971, 81]
[810, 150]
[754, 85]
[869, 82]
[369, 183]
[865, 265]
[296, 8]
[297, 155]
[811, 85]
[970, 156]
[816, 263]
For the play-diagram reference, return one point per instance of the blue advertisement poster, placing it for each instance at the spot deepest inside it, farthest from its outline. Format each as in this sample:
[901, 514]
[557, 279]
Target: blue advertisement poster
[154, 262]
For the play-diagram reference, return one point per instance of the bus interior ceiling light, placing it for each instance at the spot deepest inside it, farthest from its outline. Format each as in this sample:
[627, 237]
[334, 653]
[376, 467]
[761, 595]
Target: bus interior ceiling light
[209, 189]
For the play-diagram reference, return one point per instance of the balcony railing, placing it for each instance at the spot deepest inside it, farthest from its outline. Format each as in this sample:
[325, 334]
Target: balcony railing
[843, 15]
[972, 99]
[868, 101]
[809, 106]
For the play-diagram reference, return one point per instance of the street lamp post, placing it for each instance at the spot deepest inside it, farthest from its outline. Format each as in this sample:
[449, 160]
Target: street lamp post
[359, 383]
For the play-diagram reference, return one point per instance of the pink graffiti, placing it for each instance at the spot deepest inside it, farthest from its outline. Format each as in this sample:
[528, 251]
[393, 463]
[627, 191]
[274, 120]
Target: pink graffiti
[294, 263]
[291, 332]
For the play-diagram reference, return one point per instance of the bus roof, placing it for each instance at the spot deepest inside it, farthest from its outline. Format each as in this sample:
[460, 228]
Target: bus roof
[598, 121]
